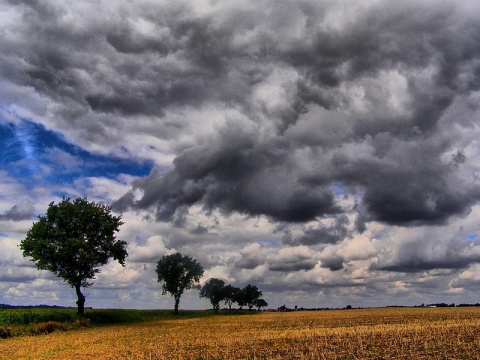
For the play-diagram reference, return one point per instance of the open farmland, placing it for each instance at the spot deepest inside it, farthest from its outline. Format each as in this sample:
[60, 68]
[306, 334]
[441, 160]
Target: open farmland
[393, 333]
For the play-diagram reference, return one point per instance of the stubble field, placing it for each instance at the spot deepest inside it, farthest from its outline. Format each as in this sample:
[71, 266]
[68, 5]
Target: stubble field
[393, 333]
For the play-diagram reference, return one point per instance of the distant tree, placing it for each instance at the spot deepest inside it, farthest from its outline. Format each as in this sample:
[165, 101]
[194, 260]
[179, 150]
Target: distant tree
[260, 303]
[72, 240]
[240, 299]
[231, 294]
[214, 290]
[179, 273]
[249, 295]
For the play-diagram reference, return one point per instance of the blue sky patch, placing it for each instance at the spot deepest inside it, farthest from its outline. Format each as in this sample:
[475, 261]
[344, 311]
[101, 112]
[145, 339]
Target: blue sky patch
[30, 153]
[471, 237]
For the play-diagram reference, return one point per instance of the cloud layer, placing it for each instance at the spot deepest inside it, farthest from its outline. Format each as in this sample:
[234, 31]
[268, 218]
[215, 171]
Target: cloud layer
[320, 149]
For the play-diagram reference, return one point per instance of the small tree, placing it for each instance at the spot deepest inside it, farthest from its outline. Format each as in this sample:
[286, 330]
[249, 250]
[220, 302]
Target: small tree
[240, 298]
[72, 240]
[231, 294]
[260, 303]
[249, 295]
[214, 290]
[179, 273]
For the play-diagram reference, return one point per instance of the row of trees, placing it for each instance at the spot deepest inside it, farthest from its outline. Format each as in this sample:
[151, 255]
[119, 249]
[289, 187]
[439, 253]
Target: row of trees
[216, 291]
[74, 238]
[180, 272]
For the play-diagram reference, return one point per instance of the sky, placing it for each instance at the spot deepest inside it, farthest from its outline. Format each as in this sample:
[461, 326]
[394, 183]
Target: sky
[327, 152]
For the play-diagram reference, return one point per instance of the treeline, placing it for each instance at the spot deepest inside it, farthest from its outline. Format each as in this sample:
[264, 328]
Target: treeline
[181, 272]
[448, 305]
[216, 291]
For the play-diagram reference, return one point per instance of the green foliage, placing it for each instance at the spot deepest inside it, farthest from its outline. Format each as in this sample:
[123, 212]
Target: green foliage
[72, 240]
[259, 303]
[22, 321]
[39, 321]
[214, 290]
[248, 296]
[230, 295]
[178, 273]
[115, 316]
[20, 316]
[27, 316]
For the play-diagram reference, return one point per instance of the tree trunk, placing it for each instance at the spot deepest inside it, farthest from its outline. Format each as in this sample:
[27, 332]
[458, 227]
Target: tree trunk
[80, 301]
[177, 301]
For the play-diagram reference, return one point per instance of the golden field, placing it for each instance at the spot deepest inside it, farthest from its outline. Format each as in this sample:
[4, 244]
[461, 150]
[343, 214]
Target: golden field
[387, 333]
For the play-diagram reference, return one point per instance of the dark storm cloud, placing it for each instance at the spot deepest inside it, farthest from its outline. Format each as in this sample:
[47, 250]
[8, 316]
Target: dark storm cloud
[323, 234]
[248, 263]
[333, 263]
[417, 264]
[199, 230]
[429, 254]
[287, 259]
[408, 183]
[273, 65]
[293, 265]
[404, 180]
[109, 67]
[235, 172]
[24, 211]
[126, 40]
[291, 260]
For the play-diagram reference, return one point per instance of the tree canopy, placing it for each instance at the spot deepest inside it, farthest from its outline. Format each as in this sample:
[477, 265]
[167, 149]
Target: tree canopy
[248, 296]
[72, 240]
[231, 294]
[259, 303]
[214, 290]
[178, 273]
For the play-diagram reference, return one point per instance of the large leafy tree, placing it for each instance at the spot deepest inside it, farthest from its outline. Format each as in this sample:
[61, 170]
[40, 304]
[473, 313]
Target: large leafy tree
[260, 303]
[214, 290]
[72, 240]
[178, 273]
[231, 294]
[249, 295]
[240, 298]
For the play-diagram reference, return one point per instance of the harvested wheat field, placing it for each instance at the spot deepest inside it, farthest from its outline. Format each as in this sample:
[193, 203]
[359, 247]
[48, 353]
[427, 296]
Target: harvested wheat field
[392, 333]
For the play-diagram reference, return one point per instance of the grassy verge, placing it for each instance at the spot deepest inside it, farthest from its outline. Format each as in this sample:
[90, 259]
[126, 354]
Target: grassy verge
[34, 321]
